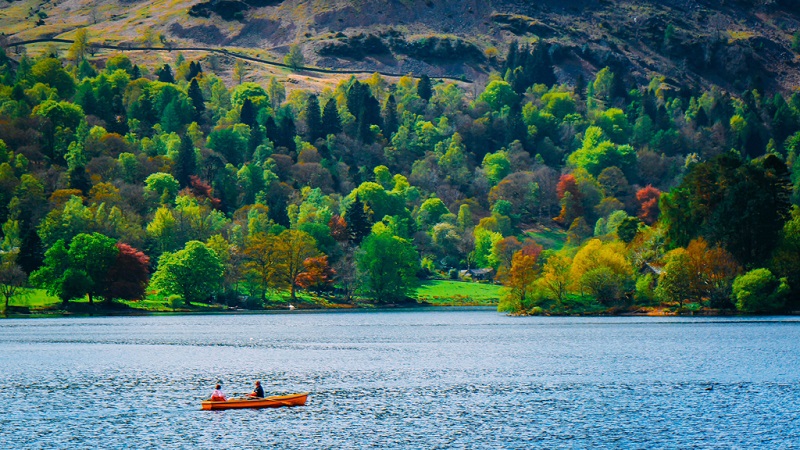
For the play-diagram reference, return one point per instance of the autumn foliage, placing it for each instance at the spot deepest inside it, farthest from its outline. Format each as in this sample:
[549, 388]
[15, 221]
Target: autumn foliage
[648, 200]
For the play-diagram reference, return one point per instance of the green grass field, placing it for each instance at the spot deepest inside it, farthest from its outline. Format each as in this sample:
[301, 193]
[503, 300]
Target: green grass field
[549, 238]
[446, 292]
[34, 299]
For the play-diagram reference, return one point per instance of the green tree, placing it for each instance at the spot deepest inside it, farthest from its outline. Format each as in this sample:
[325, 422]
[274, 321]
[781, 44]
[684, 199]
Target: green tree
[194, 273]
[390, 119]
[431, 211]
[424, 88]
[12, 278]
[603, 84]
[496, 166]
[313, 118]
[675, 282]
[186, 164]
[50, 72]
[759, 291]
[388, 265]
[358, 222]
[627, 229]
[741, 205]
[163, 186]
[198, 102]
[78, 270]
[499, 94]
[294, 59]
[331, 122]
[80, 46]
[229, 143]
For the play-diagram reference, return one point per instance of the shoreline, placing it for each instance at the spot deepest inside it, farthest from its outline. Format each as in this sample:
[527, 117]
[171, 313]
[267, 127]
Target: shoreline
[302, 309]
[344, 308]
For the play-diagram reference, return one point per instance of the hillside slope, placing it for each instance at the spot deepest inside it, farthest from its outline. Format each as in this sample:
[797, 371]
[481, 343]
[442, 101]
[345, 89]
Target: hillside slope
[734, 44]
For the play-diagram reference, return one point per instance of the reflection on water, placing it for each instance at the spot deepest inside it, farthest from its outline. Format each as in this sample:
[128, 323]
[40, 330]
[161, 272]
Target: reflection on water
[406, 379]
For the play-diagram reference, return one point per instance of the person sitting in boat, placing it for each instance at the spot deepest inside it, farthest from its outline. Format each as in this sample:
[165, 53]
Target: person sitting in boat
[218, 395]
[258, 392]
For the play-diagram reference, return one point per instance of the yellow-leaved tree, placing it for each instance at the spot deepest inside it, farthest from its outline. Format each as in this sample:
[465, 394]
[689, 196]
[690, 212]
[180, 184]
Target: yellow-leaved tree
[602, 271]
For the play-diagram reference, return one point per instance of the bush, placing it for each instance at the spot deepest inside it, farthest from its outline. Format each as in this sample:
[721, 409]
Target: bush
[759, 291]
[796, 42]
[253, 302]
[175, 302]
[645, 294]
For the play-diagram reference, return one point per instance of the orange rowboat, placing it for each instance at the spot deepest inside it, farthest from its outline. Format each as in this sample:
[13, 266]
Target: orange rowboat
[268, 402]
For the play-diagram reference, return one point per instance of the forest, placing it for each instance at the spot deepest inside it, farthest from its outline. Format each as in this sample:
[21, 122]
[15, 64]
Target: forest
[120, 181]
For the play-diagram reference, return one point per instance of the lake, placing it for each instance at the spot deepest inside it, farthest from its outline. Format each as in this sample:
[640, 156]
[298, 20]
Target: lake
[422, 379]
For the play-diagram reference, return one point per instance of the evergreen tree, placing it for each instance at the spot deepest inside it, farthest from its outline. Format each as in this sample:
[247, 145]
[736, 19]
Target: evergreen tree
[186, 164]
[331, 122]
[355, 98]
[136, 73]
[165, 74]
[424, 88]
[390, 121]
[511, 57]
[287, 132]
[247, 115]
[256, 139]
[79, 179]
[194, 70]
[271, 128]
[196, 96]
[358, 224]
[313, 118]
[365, 108]
[85, 70]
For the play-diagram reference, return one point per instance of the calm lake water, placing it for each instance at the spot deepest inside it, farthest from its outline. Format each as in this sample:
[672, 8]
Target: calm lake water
[407, 379]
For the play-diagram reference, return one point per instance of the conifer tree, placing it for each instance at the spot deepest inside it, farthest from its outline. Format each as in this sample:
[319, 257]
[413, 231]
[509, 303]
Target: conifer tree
[331, 122]
[198, 102]
[424, 88]
[247, 115]
[271, 127]
[313, 118]
[165, 74]
[287, 132]
[186, 164]
[358, 223]
[390, 121]
[194, 70]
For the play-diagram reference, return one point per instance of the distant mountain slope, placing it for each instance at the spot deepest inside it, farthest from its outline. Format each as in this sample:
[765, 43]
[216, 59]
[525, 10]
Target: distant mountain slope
[735, 44]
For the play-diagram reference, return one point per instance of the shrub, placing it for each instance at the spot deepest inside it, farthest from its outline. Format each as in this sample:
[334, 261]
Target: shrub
[759, 291]
[175, 302]
[645, 294]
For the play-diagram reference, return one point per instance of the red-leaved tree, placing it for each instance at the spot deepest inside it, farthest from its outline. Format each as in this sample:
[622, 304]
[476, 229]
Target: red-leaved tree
[338, 228]
[571, 199]
[128, 276]
[648, 199]
[317, 275]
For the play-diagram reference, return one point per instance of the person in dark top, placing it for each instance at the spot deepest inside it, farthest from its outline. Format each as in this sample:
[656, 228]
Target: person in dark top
[258, 392]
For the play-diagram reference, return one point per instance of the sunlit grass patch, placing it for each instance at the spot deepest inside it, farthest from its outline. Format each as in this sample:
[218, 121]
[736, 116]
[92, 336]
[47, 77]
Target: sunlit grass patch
[446, 292]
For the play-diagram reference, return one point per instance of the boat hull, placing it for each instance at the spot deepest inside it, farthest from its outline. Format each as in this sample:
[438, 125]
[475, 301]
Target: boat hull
[275, 401]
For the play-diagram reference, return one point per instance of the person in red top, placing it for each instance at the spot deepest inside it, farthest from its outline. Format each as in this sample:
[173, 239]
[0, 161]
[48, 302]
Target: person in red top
[218, 395]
